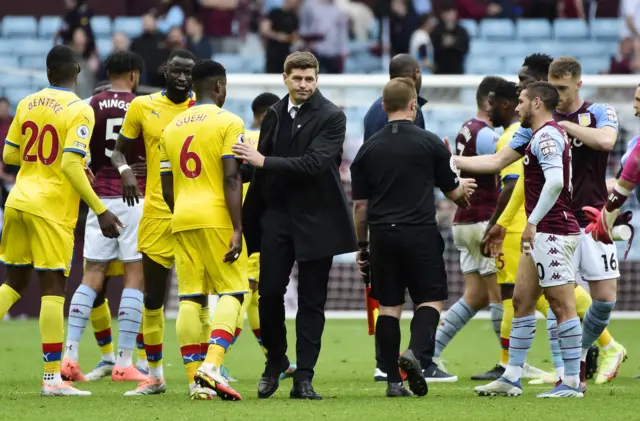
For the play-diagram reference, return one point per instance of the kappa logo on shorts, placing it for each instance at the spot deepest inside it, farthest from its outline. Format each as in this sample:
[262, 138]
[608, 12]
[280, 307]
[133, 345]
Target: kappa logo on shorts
[554, 264]
[555, 277]
[552, 238]
[553, 250]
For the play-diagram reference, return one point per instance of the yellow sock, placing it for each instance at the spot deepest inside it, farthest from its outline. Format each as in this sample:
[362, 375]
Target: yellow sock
[205, 331]
[505, 330]
[605, 340]
[583, 301]
[52, 334]
[101, 322]
[239, 322]
[153, 321]
[189, 331]
[223, 325]
[140, 352]
[8, 297]
[253, 315]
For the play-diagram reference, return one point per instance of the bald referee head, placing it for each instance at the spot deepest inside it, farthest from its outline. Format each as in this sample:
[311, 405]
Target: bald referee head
[399, 99]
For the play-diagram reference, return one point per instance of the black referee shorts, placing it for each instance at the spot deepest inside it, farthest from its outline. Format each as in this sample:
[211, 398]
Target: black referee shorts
[407, 257]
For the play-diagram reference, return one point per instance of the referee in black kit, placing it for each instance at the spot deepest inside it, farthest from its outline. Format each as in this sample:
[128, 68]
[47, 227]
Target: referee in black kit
[393, 176]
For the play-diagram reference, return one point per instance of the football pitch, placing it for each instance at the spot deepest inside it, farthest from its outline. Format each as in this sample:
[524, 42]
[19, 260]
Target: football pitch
[344, 376]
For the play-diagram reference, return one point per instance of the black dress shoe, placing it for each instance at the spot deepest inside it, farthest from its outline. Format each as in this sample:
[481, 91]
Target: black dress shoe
[397, 390]
[267, 386]
[304, 390]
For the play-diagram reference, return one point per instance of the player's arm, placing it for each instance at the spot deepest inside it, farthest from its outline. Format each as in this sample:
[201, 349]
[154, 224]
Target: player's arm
[360, 193]
[166, 176]
[11, 151]
[129, 133]
[602, 137]
[321, 153]
[73, 154]
[515, 204]
[232, 185]
[548, 150]
[488, 164]
[508, 186]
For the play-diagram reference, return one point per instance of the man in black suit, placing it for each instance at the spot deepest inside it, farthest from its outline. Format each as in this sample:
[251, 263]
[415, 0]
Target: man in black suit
[296, 211]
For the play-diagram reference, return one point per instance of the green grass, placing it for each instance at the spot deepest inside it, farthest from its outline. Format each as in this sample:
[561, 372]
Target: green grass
[343, 377]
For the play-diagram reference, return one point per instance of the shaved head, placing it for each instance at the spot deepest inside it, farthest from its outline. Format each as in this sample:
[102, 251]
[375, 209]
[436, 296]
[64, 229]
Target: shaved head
[405, 65]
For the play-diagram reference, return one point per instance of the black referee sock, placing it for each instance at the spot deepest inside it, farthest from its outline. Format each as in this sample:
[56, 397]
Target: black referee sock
[423, 332]
[388, 336]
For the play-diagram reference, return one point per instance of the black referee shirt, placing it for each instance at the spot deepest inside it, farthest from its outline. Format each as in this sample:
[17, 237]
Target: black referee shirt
[397, 169]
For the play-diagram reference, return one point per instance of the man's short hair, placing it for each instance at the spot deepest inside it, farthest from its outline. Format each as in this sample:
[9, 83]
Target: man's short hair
[563, 66]
[60, 59]
[181, 53]
[547, 93]
[262, 102]
[506, 90]
[397, 94]
[538, 64]
[205, 69]
[402, 65]
[302, 60]
[487, 85]
[123, 62]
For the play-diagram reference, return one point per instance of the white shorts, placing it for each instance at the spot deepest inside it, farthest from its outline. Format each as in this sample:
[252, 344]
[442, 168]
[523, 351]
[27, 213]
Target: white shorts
[595, 261]
[553, 256]
[98, 248]
[467, 238]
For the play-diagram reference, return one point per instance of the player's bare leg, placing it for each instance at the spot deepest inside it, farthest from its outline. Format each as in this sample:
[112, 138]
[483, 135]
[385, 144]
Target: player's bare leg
[16, 280]
[526, 293]
[156, 280]
[129, 321]
[79, 313]
[52, 287]
[475, 298]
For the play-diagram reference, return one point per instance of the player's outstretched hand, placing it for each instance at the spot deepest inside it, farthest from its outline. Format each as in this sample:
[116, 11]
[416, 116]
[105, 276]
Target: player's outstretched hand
[468, 186]
[89, 175]
[109, 224]
[130, 191]
[491, 245]
[247, 153]
[235, 248]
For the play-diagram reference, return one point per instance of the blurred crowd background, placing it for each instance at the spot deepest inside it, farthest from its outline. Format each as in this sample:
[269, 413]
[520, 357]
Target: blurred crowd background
[351, 37]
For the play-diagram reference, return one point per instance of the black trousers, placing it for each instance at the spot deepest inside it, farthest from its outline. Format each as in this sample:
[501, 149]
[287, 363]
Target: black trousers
[276, 261]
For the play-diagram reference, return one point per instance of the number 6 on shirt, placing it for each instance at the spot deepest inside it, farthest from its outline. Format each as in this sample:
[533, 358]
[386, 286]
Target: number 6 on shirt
[186, 156]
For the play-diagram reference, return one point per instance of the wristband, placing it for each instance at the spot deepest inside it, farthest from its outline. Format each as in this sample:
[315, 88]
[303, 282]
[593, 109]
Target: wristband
[363, 244]
[122, 168]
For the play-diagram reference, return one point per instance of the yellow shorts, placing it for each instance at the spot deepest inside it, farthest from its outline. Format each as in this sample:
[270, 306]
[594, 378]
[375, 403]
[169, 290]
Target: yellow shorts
[199, 264]
[254, 267]
[29, 240]
[156, 240]
[507, 262]
[114, 268]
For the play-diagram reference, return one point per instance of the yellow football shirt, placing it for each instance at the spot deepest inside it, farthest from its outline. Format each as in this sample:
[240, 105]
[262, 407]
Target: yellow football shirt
[149, 115]
[192, 147]
[47, 124]
[514, 170]
[251, 138]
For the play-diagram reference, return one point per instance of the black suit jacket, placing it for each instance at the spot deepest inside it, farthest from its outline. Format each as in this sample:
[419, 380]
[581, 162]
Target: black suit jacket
[321, 223]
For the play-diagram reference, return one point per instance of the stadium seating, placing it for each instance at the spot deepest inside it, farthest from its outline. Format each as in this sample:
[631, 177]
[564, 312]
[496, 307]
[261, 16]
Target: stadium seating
[19, 26]
[497, 47]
